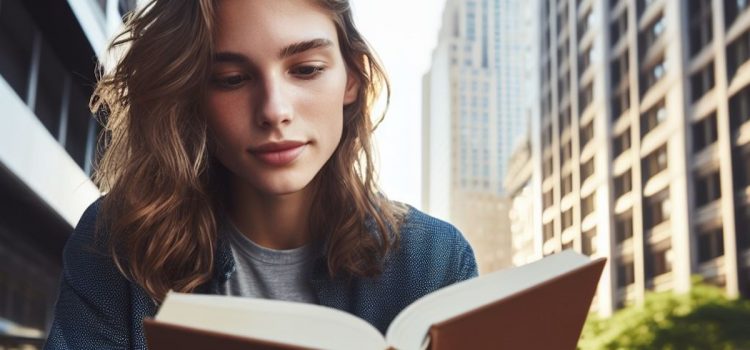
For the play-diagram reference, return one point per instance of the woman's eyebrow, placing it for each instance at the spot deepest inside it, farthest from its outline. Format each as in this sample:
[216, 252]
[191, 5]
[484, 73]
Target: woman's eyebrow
[303, 46]
[229, 57]
[287, 51]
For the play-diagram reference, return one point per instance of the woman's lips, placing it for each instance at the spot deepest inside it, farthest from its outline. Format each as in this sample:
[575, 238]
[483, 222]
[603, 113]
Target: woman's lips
[279, 154]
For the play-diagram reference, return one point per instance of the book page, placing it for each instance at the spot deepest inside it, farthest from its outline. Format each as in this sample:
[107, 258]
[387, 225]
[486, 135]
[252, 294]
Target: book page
[409, 329]
[293, 323]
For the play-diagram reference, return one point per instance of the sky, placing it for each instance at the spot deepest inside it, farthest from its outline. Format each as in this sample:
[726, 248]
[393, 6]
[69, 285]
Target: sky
[403, 34]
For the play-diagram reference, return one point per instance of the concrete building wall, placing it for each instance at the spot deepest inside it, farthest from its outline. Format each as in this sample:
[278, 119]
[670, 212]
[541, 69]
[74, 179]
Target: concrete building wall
[643, 105]
[47, 147]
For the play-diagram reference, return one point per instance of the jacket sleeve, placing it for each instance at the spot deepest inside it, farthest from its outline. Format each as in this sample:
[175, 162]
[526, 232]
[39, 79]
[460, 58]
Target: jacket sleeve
[92, 309]
[465, 260]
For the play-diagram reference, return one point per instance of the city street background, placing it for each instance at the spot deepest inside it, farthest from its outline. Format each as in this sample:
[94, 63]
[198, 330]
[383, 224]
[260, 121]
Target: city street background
[615, 128]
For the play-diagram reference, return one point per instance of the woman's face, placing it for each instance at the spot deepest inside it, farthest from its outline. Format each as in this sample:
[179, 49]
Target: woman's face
[277, 91]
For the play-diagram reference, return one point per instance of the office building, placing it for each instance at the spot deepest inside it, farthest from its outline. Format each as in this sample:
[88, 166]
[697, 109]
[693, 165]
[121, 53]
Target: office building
[644, 141]
[48, 53]
[472, 117]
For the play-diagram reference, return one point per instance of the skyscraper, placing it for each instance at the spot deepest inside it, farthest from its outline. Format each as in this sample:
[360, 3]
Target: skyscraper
[643, 146]
[473, 115]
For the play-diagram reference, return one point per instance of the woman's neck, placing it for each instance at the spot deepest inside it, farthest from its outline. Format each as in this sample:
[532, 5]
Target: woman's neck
[272, 221]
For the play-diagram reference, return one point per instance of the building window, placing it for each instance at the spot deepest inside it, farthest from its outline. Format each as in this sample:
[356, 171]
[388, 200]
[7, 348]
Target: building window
[652, 33]
[732, 9]
[588, 242]
[619, 69]
[587, 134]
[653, 117]
[741, 159]
[16, 39]
[586, 96]
[567, 219]
[621, 143]
[562, 18]
[585, 59]
[563, 52]
[79, 123]
[566, 152]
[625, 272]
[567, 245]
[564, 119]
[620, 85]
[27, 290]
[547, 199]
[102, 4]
[653, 74]
[702, 82]
[52, 76]
[585, 23]
[623, 226]
[620, 101]
[643, 5]
[546, 24]
[549, 231]
[567, 184]
[743, 226]
[623, 184]
[699, 13]
[660, 261]
[657, 209]
[655, 162]
[563, 86]
[587, 205]
[619, 27]
[738, 52]
[707, 188]
[547, 167]
[587, 169]
[547, 136]
[710, 243]
[739, 107]
[126, 6]
[704, 132]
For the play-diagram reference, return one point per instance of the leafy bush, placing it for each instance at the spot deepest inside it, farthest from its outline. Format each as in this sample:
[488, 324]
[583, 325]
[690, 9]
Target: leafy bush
[702, 319]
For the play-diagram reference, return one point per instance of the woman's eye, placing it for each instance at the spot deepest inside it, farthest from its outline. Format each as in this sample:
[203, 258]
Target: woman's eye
[230, 81]
[307, 72]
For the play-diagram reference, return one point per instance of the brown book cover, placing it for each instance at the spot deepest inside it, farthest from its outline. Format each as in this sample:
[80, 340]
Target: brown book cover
[163, 336]
[540, 306]
[548, 316]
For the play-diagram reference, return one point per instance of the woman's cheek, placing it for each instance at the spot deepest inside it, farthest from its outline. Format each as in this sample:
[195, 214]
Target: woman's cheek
[225, 115]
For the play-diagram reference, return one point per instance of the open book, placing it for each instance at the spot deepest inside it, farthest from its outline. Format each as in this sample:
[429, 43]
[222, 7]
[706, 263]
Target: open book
[541, 305]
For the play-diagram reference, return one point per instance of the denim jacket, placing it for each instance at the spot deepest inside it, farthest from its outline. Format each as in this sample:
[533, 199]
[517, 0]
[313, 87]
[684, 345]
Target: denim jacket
[100, 309]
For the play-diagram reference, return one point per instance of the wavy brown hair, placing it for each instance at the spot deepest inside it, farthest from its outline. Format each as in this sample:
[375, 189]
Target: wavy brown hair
[164, 189]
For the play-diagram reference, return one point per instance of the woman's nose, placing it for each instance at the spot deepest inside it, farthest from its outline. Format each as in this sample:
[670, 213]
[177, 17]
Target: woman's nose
[276, 107]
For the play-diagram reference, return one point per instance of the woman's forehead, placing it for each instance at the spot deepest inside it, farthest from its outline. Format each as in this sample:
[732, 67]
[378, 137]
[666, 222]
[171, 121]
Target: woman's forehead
[270, 25]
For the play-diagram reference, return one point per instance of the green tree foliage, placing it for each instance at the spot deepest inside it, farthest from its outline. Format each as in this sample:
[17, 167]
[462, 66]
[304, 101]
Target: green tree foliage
[703, 319]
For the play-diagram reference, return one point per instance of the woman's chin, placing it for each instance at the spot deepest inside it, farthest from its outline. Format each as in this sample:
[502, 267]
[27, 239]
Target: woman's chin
[281, 187]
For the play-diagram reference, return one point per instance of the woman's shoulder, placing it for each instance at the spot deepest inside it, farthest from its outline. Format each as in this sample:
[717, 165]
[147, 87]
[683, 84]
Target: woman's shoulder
[88, 218]
[85, 232]
[430, 251]
[420, 227]
[424, 239]
[86, 252]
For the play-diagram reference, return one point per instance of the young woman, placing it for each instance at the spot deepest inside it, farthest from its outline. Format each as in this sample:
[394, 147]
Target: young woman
[238, 161]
